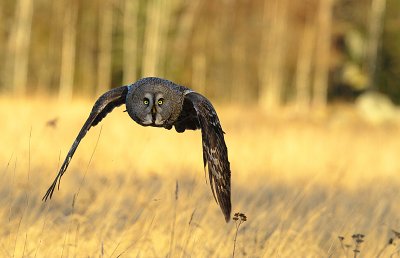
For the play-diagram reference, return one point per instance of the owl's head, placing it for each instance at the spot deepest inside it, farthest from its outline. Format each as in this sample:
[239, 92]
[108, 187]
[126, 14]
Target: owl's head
[153, 102]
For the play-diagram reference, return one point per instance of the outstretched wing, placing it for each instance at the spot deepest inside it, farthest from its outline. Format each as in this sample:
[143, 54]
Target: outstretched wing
[198, 113]
[104, 105]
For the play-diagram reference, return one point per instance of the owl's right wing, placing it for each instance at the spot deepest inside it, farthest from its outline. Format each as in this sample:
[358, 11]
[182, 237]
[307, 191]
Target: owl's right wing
[104, 105]
[198, 113]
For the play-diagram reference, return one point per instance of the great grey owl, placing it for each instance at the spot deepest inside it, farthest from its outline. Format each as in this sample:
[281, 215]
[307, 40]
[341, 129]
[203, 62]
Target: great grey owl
[161, 103]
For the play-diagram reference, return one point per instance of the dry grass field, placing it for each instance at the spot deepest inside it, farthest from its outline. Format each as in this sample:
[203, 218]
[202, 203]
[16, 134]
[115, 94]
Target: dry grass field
[132, 191]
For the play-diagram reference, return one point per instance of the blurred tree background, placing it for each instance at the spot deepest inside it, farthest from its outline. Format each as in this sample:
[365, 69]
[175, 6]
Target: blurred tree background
[270, 52]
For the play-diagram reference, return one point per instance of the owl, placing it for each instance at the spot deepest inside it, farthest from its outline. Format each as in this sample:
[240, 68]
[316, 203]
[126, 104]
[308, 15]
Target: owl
[162, 103]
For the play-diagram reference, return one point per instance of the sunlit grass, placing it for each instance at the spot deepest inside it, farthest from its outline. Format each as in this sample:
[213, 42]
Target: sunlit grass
[301, 182]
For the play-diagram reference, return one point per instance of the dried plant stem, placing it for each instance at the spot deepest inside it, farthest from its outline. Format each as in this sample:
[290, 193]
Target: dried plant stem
[234, 240]
[239, 218]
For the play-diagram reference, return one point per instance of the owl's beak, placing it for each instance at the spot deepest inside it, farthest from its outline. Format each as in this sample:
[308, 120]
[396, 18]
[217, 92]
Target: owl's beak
[153, 114]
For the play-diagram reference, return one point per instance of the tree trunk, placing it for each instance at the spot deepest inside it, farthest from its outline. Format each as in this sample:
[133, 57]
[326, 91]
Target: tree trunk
[130, 41]
[303, 67]
[183, 36]
[375, 32]
[87, 52]
[3, 49]
[157, 25]
[151, 39]
[241, 89]
[273, 53]
[322, 53]
[22, 36]
[199, 66]
[48, 69]
[105, 46]
[67, 73]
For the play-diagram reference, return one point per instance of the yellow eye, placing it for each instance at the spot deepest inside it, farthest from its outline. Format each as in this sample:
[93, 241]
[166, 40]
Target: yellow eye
[160, 102]
[146, 102]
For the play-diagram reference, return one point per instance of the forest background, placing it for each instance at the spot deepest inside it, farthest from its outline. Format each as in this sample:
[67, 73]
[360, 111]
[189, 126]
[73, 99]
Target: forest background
[268, 52]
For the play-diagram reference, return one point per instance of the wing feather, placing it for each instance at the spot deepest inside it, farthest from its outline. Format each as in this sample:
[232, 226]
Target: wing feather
[104, 105]
[215, 152]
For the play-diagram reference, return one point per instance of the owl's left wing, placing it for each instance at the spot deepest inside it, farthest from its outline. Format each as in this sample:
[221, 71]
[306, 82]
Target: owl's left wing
[104, 105]
[199, 113]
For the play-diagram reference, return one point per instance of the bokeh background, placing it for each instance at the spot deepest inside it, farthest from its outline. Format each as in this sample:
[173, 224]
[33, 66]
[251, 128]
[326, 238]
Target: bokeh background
[267, 52]
[306, 91]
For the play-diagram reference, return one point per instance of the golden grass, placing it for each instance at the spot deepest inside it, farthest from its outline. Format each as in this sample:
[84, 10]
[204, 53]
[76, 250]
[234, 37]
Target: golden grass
[301, 182]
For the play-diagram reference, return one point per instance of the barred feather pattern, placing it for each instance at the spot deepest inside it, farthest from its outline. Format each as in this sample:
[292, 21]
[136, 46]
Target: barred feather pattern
[215, 152]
